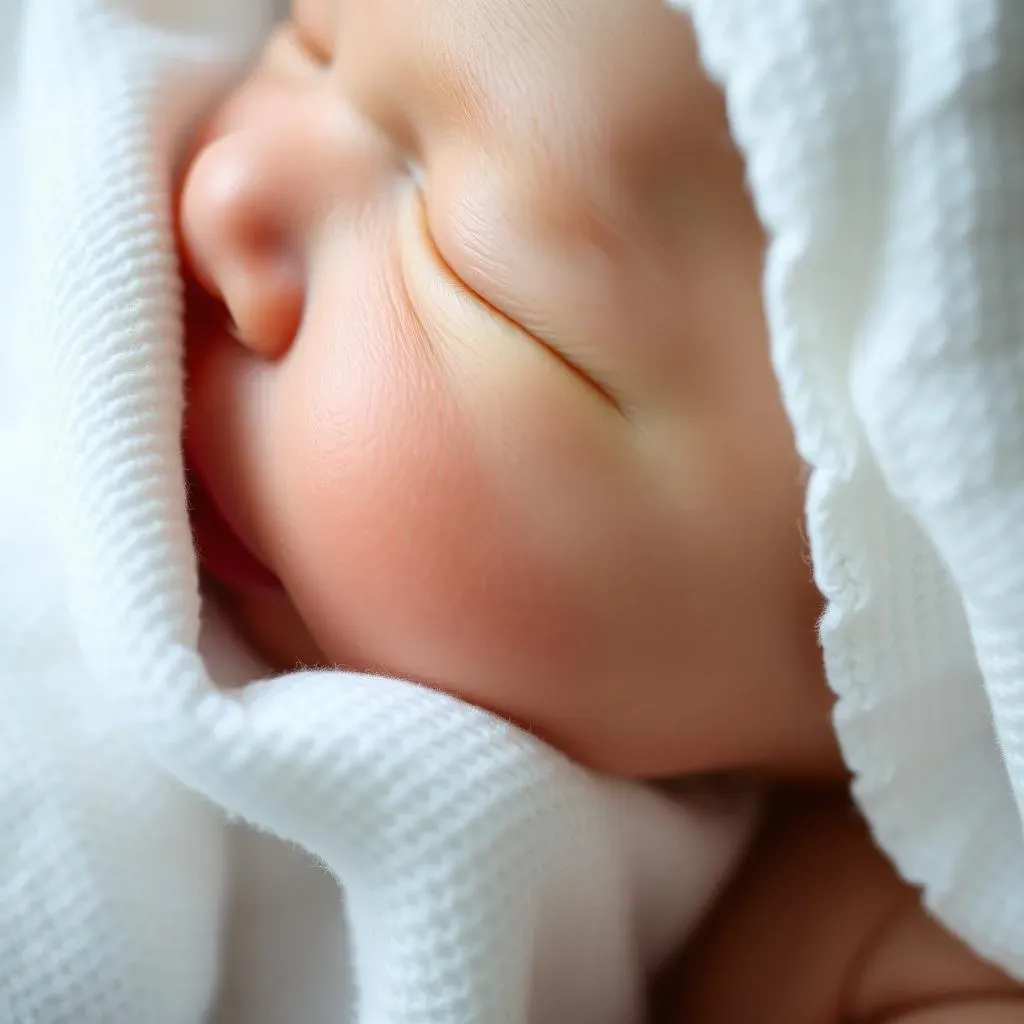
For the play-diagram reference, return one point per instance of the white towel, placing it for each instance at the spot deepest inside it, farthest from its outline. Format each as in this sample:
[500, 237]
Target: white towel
[486, 878]
[885, 149]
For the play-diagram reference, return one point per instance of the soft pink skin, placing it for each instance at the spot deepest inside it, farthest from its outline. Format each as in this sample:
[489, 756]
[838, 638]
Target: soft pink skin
[511, 431]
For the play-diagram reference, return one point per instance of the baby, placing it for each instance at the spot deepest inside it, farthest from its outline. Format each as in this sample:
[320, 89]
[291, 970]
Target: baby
[475, 327]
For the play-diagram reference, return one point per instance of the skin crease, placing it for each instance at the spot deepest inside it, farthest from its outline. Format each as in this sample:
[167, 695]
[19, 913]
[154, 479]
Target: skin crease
[497, 410]
[817, 901]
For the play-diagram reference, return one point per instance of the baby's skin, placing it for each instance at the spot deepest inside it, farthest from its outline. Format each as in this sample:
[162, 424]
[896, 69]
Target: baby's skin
[479, 395]
[499, 415]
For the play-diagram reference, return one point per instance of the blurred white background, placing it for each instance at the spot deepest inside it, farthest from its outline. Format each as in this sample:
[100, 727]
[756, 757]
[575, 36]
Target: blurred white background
[10, 16]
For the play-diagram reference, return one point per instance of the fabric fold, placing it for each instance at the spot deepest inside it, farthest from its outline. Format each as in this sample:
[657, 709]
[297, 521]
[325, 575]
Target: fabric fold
[886, 158]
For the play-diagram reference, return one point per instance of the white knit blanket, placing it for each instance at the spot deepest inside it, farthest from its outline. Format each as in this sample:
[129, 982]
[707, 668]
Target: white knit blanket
[486, 878]
[885, 150]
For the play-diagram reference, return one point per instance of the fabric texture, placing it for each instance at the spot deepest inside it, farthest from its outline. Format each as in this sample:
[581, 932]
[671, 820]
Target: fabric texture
[162, 826]
[885, 151]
